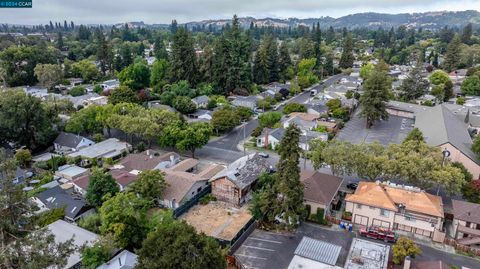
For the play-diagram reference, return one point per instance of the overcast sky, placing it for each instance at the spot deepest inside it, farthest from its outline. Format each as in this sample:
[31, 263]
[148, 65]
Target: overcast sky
[163, 11]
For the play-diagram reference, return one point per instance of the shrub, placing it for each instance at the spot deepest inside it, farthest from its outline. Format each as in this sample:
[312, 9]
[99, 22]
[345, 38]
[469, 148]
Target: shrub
[77, 91]
[294, 107]
[47, 217]
[269, 119]
[461, 100]
[91, 222]
[98, 137]
[403, 248]
[141, 147]
[319, 216]
[207, 198]
[257, 131]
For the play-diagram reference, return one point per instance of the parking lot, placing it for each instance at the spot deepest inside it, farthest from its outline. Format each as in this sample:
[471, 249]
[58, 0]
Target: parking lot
[268, 250]
[393, 130]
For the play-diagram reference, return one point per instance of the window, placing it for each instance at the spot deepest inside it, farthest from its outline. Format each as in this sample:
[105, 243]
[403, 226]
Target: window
[384, 212]
[409, 218]
[371, 207]
[359, 206]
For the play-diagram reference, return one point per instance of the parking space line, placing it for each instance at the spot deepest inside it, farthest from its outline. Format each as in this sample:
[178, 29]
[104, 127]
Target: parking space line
[271, 241]
[267, 249]
[248, 256]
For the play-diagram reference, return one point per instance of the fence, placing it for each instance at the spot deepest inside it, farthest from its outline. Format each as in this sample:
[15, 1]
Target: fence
[332, 220]
[177, 212]
[242, 235]
[462, 248]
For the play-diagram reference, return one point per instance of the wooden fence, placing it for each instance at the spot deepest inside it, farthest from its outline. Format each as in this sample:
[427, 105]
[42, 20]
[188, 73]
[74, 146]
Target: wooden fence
[462, 248]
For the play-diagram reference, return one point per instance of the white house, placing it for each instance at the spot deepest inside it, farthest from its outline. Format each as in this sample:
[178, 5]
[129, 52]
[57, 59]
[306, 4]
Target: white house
[67, 142]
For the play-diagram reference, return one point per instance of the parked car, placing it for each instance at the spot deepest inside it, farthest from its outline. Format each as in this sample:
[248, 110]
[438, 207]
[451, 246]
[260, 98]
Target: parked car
[263, 155]
[379, 233]
[352, 185]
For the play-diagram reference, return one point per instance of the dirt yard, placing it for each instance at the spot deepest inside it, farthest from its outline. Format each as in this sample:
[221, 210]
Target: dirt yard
[218, 219]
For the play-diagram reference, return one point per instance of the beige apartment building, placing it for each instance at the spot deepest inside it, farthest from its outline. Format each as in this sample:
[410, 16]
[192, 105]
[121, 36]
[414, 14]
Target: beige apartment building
[396, 207]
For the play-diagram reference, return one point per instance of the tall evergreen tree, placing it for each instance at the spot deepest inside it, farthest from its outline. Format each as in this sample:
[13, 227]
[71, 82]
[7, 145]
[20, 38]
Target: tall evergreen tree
[103, 51]
[373, 101]
[289, 189]
[330, 36]
[126, 54]
[317, 42]
[452, 56]
[346, 61]
[265, 68]
[284, 61]
[183, 62]
[414, 85]
[159, 50]
[60, 43]
[174, 27]
[467, 34]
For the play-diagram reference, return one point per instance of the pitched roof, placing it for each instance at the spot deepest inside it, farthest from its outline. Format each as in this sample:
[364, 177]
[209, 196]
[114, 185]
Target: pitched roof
[82, 182]
[68, 140]
[57, 197]
[123, 260]
[210, 171]
[200, 99]
[439, 126]
[317, 250]
[388, 197]
[106, 149]
[276, 133]
[124, 178]
[430, 265]
[466, 211]
[245, 170]
[318, 187]
[304, 116]
[143, 161]
[179, 183]
[185, 165]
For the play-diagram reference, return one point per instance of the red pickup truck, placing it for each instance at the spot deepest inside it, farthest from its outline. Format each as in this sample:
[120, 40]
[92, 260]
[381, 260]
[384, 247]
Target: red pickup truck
[379, 233]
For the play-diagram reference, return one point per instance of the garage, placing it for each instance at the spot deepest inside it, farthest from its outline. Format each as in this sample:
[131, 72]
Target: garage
[381, 223]
[362, 220]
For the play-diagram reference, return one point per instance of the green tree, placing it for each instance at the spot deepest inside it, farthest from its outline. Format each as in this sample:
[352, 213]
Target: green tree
[404, 247]
[98, 253]
[23, 157]
[104, 51]
[159, 50]
[452, 56]
[265, 67]
[347, 59]
[439, 77]
[86, 69]
[269, 119]
[289, 189]
[48, 74]
[471, 85]
[366, 70]
[330, 36]
[159, 72]
[85, 121]
[25, 120]
[183, 64]
[99, 185]
[150, 185]
[284, 61]
[376, 91]
[294, 107]
[123, 94]
[92, 222]
[415, 135]
[184, 104]
[194, 136]
[124, 216]
[244, 113]
[176, 245]
[135, 76]
[306, 76]
[476, 146]
[467, 34]
[224, 119]
[414, 85]
[333, 104]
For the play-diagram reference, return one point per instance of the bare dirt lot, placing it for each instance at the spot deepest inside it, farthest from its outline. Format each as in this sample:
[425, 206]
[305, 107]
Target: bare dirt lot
[218, 219]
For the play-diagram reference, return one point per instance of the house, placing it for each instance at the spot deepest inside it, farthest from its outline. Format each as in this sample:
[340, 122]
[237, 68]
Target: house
[96, 100]
[201, 101]
[441, 128]
[71, 172]
[405, 110]
[270, 137]
[408, 210]
[64, 231]
[466, 223]
[275, 88]
[123, 260]
[365, 254]
[438, 264]
[469, 113]
[246, 101]
[124, 178]
[234, 183]
[110, 148]
[80, 184]
[38, 92]
[303, 123]
[315, 254]
[200, 115]
[68, 142]
[147, 160]
[110, 84]
[57, 197]
[320, 190]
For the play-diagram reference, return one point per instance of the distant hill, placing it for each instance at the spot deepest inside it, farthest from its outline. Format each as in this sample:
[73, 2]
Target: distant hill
[427, 20]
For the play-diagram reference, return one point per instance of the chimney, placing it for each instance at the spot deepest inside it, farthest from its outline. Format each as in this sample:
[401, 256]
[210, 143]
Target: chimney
[407, 263]
[148, 152]
[172, 160]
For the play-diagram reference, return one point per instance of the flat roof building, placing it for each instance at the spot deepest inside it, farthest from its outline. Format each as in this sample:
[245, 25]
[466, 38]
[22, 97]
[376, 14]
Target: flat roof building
[367, 255]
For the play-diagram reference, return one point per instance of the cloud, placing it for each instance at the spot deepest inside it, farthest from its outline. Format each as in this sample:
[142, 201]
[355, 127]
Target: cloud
[163, 11]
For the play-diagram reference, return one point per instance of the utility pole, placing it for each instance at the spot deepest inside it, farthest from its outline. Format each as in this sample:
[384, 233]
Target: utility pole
[445, 154]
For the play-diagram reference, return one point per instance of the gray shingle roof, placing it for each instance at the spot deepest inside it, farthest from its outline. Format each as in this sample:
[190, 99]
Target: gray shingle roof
[200, 99]
[466, 211]
[68, 140]
[318, 250]
[57, 197]
[439, 126]
[245, 170]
